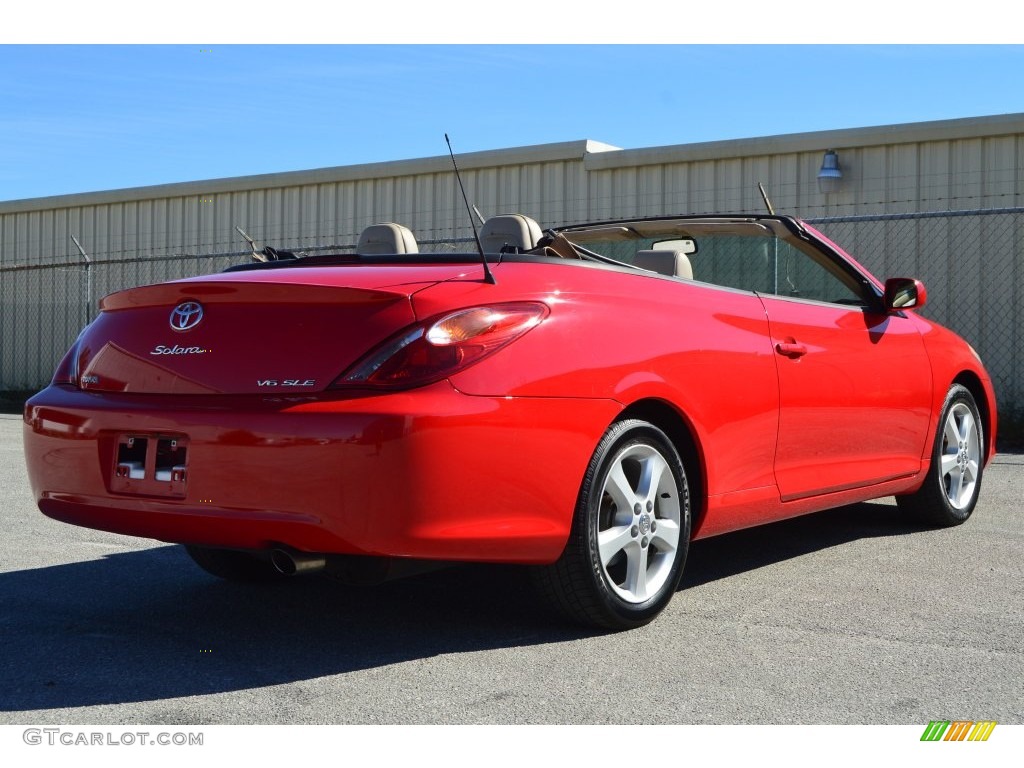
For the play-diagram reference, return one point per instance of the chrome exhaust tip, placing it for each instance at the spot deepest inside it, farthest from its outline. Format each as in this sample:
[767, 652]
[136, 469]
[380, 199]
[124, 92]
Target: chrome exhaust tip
[295, 563]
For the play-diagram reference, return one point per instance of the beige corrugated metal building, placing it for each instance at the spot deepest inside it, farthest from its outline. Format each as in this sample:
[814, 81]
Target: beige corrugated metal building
[971, 263]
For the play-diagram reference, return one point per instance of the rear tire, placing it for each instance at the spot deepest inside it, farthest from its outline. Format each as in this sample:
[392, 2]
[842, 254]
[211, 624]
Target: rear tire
[233, 565]
[630, 533]
[951, 487]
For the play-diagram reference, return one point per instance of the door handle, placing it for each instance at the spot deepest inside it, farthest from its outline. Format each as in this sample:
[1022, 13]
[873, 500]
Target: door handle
[790, 349]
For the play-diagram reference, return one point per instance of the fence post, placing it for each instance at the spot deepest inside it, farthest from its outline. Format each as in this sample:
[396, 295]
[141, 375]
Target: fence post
[88, 280]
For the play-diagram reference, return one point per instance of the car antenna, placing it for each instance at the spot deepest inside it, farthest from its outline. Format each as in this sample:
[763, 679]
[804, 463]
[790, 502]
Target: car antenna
[767, 202]
[488, 277]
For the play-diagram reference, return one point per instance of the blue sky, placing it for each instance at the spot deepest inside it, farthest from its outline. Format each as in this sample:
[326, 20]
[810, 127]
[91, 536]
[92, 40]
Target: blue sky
[80, 118]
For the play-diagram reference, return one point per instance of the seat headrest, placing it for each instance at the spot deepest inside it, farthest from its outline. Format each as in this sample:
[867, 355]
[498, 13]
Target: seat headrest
[512, 229]
[671, 263]
[387, 238]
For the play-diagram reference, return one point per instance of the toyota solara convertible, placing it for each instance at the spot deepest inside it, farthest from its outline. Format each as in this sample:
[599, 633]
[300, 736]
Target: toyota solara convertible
[584, 400]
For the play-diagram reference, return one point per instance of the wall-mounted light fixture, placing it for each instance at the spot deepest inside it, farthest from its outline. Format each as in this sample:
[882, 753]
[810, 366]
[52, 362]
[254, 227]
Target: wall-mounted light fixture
[831, 175]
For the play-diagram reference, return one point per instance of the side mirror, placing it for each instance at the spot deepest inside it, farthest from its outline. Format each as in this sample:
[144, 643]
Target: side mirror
[904, 293]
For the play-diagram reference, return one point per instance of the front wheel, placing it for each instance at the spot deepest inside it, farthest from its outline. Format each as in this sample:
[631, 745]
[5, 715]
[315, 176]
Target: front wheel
[951, 487]
[630, 534]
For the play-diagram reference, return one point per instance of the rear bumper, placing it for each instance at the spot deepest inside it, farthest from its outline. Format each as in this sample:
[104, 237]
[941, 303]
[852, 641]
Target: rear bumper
[430, 473]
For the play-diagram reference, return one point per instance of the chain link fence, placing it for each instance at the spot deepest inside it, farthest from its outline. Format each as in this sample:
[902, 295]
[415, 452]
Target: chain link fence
[970, 261]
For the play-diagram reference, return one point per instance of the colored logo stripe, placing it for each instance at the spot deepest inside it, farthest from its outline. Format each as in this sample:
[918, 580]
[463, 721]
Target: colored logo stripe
[958, 730]
[982, 730]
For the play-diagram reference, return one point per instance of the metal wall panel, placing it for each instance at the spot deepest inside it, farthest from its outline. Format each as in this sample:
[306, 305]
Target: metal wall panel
[973, 265]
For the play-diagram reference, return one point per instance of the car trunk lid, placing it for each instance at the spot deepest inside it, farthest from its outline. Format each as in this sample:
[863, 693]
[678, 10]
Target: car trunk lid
[276, 331]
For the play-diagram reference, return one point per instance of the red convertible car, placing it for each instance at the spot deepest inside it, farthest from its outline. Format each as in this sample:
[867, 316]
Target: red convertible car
[585, 400]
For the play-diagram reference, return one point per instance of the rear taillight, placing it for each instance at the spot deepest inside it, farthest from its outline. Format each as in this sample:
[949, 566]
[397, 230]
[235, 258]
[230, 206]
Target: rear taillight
[442, 346]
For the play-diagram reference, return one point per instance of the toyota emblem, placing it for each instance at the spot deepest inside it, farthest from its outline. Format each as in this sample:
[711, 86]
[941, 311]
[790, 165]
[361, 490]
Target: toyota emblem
[186, 315]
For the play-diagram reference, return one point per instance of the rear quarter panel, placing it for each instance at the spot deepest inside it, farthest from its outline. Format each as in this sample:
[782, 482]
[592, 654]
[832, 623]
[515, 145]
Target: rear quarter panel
[629, 337]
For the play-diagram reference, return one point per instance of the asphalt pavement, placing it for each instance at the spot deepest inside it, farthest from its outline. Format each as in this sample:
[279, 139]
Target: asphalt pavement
[847, 616]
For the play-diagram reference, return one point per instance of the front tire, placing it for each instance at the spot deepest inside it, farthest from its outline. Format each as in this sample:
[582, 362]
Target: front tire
[630, 534]
[953, 483]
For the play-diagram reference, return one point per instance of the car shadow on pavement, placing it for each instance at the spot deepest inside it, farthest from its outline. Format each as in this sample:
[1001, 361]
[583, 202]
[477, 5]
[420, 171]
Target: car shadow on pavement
[148, 624]
[722, 556]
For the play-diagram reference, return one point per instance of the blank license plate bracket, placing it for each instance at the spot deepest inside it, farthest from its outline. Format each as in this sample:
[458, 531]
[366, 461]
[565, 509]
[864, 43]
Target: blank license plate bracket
[151, 465]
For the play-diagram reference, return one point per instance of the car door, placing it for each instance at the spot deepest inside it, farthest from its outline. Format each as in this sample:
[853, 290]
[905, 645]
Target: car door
[854, 381]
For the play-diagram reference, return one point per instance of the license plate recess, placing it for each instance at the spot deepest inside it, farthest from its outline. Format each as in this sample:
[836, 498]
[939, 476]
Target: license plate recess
[150, 465]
